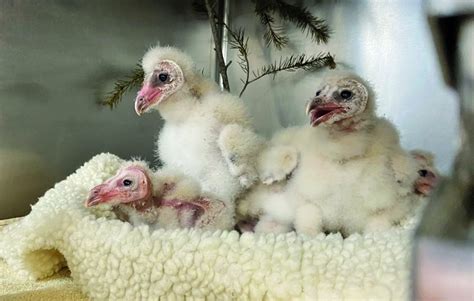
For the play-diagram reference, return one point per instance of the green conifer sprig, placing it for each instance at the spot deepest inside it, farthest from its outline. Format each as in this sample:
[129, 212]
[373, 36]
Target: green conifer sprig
[274, 35]
[315, 27]
[239, 42]
[294, 63]
[121, 86]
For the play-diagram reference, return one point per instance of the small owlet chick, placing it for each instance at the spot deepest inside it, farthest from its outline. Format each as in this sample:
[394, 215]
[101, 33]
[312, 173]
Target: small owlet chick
[428, 174]
[352, 174]
[164, 199]
[195, 114]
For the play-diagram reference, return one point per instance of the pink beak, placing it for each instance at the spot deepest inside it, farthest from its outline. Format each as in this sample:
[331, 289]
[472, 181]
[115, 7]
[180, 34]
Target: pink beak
[98, 195]
[146, 97]
[320, 113]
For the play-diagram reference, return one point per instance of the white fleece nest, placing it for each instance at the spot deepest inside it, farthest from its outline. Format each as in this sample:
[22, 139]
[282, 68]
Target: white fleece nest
[110, 259]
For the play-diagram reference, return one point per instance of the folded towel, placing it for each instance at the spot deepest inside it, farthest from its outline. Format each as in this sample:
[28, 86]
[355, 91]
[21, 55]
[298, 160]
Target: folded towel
[110, 259]
[59, 287]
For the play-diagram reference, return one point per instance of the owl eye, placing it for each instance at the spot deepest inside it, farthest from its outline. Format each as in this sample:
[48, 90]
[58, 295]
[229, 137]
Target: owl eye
[423, 172]
[318, 93]
[127, 182]
[346, 94]
[163, 77]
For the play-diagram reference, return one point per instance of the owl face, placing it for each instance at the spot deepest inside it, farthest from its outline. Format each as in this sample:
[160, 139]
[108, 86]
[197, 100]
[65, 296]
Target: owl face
[337, 100]
[129, 185]
[165, 79]
[428, 176]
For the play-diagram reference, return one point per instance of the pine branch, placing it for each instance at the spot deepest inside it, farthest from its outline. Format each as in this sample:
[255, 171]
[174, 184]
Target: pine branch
[239, 42]
[293, 63]
[300, 16]
[121, 86]
[273, 33]
[303, 19]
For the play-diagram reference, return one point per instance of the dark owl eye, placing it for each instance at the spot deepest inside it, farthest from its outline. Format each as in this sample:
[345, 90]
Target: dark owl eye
[346, 94]
[127, 182]
[317, 93]
[423, 172]
[163, 77]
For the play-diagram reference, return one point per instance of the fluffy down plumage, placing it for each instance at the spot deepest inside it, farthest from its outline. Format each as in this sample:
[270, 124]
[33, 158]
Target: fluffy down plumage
[162, 199]
[352, 174]
[195, 114]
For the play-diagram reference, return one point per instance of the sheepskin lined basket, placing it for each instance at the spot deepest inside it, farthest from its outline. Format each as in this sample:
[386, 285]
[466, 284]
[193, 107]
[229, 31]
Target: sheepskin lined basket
[110, 259]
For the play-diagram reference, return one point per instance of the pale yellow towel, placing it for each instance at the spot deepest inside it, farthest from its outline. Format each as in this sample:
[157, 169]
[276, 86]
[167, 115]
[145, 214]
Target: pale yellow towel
[111, 260]
[57, 287]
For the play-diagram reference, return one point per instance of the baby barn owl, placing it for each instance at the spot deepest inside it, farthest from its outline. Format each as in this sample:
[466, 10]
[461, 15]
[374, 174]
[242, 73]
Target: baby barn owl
[346, 179]
[162, 199]
[196, 114]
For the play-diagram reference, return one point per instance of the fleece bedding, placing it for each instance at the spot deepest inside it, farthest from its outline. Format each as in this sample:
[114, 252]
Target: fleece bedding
[112, 260]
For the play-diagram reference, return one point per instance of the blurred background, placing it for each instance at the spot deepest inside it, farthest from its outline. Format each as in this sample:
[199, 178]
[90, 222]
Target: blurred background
[57, 57]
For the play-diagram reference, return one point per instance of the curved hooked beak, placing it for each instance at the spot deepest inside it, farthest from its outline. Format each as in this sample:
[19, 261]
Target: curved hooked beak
[146, 97]
[321, 112]
[99, 195]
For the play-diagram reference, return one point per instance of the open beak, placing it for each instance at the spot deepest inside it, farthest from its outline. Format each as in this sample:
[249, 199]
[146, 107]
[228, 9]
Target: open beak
[322, 112]
[99, 195]
[146, 97]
